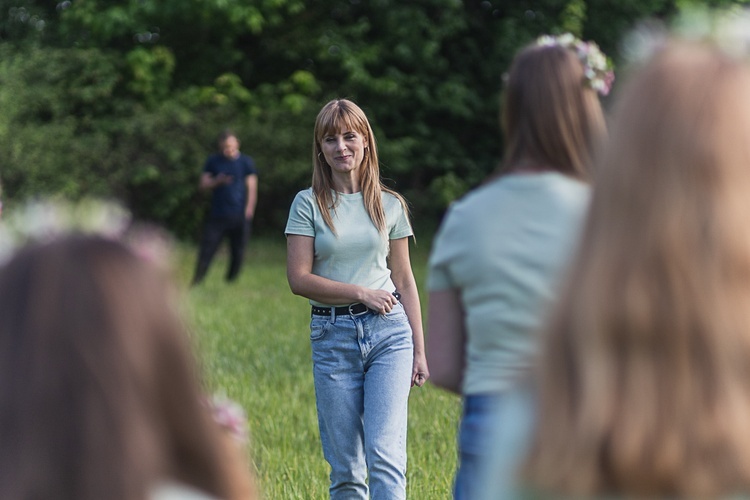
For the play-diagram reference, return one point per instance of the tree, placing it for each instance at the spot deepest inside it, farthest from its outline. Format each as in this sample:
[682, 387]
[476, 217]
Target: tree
[124, 97]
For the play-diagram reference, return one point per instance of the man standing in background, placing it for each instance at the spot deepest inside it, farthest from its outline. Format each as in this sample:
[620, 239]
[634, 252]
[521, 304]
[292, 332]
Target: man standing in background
[233, 180]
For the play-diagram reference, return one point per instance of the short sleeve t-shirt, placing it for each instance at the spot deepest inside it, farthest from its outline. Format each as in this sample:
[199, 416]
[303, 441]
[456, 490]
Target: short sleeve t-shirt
[229, 200]
[503, 247]
[358, 252]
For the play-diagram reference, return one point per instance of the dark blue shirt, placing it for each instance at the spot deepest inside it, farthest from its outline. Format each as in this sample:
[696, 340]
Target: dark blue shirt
[229, 200]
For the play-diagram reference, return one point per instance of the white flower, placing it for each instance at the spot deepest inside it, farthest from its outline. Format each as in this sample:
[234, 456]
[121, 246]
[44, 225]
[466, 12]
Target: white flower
[597, 68]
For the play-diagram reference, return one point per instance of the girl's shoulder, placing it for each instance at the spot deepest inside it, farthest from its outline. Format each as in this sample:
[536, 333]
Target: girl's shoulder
[306, 193]
[306, 196]
[392, 198]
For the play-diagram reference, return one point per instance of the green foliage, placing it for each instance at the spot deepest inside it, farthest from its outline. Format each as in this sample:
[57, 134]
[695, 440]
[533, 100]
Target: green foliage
[52, 101]
[573, 17]
[124, 97]
[150, 72]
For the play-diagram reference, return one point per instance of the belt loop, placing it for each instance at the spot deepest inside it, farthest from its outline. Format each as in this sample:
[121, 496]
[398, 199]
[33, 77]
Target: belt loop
[333, 315]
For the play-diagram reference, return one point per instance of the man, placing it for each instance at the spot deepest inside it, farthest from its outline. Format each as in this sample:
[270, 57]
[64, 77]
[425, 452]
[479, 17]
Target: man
[233, 180]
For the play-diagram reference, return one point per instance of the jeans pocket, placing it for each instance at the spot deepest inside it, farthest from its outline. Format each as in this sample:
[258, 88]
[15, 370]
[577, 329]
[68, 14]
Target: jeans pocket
[319, 326]
[397, 314]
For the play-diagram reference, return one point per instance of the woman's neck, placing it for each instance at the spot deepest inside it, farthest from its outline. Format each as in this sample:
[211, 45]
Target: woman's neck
[347, 184]
[529, 167]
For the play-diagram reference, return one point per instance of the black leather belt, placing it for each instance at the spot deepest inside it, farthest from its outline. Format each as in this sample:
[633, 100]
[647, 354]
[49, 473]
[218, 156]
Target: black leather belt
[355, 309]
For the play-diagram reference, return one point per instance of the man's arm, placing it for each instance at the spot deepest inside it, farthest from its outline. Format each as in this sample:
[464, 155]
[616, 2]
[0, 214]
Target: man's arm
[251, 181]
[208, 181]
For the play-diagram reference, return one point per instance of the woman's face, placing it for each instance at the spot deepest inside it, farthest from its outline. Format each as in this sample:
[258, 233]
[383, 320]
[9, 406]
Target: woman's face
[344, 150]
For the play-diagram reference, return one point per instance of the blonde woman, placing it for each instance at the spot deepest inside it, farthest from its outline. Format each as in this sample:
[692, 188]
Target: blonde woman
[348, 253]
[497, 256]
[643, 385]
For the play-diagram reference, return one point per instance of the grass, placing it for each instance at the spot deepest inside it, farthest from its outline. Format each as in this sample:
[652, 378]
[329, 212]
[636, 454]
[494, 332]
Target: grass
[252, 339]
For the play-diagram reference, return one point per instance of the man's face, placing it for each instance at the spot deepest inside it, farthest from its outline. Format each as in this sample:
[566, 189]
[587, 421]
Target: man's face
[230, 147]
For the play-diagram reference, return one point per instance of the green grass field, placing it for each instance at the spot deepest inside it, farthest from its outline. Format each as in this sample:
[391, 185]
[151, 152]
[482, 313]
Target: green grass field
[252, 338]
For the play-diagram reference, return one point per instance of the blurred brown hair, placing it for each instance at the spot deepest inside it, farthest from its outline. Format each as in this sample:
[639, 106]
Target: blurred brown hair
[644, 379]
[99, 394]
[550, 117]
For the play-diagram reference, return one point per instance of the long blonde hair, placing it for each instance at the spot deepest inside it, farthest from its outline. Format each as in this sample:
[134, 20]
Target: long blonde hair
[549, 116]
[338, 115]
[644, 377]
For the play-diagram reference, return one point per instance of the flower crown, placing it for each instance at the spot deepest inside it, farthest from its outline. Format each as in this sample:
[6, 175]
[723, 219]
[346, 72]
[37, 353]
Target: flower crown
[728, 29]
[45, 220]
[597, 67]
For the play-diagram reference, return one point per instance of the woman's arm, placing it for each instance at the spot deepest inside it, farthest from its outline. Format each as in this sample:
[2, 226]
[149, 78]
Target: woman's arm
[299, 263]
[446, 339]
[403, 278]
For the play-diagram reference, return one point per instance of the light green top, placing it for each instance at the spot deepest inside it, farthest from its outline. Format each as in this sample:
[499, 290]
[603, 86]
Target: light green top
[170, 490]
[357, 253]
[503, 247]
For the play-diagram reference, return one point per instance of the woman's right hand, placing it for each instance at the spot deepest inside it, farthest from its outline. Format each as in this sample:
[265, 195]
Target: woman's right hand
[380, 301]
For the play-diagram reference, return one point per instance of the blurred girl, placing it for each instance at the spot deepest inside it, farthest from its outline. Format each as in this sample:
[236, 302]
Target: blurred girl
[99, 395]
[497, 256]
[643, 384]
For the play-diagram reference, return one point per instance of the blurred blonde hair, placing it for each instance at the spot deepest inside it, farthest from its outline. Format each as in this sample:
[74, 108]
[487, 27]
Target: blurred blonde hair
[337, 116]
[644, 378]
[550, 117]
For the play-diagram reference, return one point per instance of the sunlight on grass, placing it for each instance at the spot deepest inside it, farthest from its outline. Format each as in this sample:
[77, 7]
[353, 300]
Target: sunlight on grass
[252, 338]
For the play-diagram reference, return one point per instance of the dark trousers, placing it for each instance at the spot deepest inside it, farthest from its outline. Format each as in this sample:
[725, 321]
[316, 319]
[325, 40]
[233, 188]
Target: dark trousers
[237, 230]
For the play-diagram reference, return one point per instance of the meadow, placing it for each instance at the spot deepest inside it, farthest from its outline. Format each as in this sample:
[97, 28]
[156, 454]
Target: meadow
[252, 339]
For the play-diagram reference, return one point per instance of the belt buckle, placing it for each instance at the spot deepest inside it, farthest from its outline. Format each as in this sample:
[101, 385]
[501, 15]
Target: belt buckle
[357, 305]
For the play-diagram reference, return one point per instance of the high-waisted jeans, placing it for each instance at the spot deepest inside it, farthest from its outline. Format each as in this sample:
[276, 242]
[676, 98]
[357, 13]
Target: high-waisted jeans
[362, 367]
[475, 428]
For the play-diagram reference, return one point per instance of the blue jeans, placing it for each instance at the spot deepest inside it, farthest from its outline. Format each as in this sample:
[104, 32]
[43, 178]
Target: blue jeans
[477, 422]
[362, 368]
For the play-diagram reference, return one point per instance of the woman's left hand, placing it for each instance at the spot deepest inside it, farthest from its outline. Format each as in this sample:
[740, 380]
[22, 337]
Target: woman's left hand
[419, 372]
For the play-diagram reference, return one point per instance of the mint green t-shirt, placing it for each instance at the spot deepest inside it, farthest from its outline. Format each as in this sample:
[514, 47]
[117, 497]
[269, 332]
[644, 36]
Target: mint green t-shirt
[503, 247]
[358, 252]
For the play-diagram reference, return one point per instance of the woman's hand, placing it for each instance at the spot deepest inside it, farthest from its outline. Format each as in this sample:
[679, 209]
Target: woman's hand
[380, 301]
[419, 372]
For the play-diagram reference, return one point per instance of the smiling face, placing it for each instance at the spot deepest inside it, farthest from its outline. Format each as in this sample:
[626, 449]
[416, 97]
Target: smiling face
[343, 150]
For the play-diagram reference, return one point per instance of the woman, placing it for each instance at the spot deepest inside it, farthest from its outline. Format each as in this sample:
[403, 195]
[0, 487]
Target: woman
[643, 387]
[498, 253]
[347, 242]
[98, 390]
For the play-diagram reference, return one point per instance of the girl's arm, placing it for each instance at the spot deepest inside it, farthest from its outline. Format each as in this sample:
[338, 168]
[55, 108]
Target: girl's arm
[300, 255]
[403, 278]
[446, 339]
